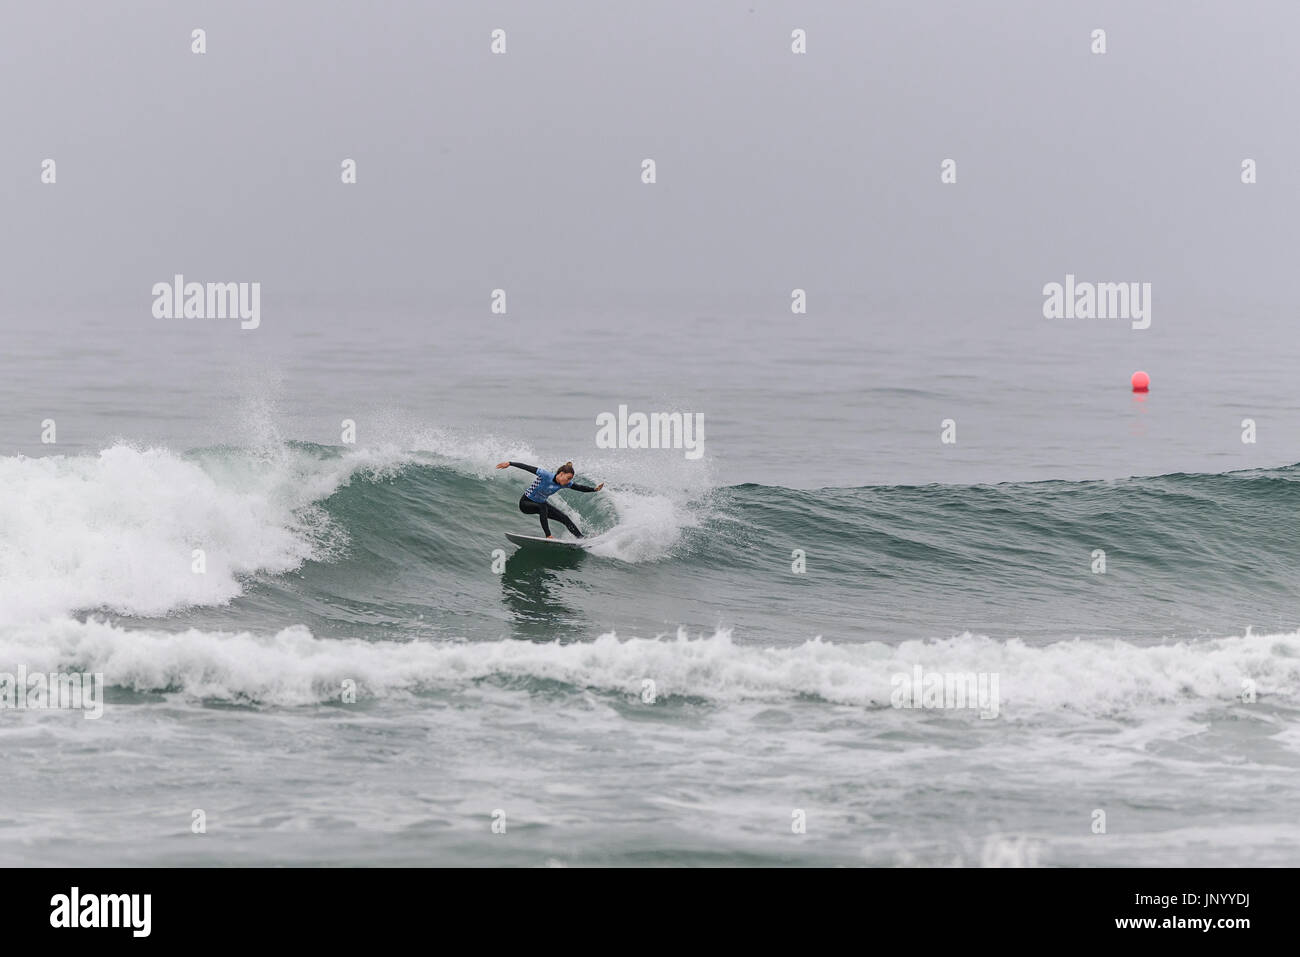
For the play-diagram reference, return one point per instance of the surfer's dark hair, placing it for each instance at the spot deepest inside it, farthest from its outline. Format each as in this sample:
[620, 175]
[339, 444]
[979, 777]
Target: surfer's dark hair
[566, 467]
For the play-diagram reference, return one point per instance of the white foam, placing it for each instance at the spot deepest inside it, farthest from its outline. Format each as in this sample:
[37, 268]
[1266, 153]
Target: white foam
[654, 497]
[646, 528]
[117, 530]
[292, 667]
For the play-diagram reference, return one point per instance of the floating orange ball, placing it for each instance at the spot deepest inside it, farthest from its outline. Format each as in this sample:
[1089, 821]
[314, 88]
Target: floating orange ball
[1141, 382]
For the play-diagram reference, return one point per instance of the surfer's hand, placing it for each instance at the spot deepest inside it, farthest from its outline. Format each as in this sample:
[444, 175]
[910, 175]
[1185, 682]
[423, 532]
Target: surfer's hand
[503, 465]
[600, 486]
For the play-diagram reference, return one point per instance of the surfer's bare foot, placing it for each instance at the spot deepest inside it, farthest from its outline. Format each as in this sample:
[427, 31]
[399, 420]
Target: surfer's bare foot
[550, 538]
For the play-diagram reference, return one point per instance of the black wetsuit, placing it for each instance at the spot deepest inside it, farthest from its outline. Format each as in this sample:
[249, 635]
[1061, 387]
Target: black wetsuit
[542, 508]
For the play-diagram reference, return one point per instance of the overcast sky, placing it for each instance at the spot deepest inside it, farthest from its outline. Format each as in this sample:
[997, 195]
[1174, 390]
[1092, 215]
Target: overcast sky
[774, 170]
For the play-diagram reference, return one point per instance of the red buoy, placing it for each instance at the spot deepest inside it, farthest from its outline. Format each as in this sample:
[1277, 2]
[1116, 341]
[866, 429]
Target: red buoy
[1141, 382]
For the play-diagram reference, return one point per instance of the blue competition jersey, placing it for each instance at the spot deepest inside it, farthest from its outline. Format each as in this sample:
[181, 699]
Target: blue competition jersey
[543, 487]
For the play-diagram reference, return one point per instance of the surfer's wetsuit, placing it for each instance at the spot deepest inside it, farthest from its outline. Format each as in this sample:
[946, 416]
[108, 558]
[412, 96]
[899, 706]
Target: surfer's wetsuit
[533, 501]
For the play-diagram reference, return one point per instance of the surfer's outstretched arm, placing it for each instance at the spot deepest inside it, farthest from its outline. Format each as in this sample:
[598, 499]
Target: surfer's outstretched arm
[518, 465]
[586, 488]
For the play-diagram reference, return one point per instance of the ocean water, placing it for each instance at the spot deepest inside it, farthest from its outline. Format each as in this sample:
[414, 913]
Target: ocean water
[1162, 693]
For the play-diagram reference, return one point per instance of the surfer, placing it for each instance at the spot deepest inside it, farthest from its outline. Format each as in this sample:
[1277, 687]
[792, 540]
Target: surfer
[533, 501]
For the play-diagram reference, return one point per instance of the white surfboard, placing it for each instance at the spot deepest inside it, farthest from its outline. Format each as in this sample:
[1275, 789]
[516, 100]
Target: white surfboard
[531, 540]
